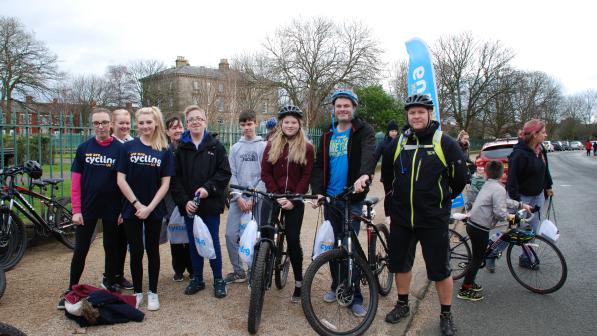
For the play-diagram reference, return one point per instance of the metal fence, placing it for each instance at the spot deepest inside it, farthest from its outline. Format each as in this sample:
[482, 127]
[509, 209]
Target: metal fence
[52, 138]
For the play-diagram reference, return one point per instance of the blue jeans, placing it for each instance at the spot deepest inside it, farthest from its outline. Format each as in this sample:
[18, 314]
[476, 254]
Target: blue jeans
[335, 214]
[213, 225]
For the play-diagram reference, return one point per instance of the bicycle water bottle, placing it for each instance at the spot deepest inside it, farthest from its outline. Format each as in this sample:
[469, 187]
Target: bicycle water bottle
[197, 201]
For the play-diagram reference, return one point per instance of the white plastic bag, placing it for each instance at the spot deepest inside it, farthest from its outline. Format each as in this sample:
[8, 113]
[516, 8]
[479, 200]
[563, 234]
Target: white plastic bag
[177, 231]
[246, 246]
[245, 218]
[324, 239]
[203, 241]
[549, 230]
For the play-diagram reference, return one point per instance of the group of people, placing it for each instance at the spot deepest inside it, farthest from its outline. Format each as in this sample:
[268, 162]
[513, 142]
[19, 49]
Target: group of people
[591, 145]
[135, 185]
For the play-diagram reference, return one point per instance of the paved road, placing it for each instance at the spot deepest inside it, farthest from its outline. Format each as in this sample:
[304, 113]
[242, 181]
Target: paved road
[508, 308]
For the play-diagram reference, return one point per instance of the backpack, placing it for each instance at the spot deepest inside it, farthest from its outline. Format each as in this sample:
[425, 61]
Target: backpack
[436, 145]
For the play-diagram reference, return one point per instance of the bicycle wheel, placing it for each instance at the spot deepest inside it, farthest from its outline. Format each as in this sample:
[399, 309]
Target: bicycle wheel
[8, 330]
[13, 240]
[547, 269]
[258, 285]
[282, 263]
[460, 254]
[62, 219]
[2, 282]
[385, 279]
[336, 318]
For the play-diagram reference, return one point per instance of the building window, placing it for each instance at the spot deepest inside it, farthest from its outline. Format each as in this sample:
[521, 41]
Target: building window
[264, 108]
[221, 87]
[195, 85]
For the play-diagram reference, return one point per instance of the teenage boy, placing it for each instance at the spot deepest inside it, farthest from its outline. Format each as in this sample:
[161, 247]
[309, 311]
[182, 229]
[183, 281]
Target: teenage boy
[245, 165]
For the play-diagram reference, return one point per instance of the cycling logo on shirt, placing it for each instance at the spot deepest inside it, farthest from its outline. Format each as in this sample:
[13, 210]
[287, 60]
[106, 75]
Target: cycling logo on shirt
[97, 159]
[145, 159]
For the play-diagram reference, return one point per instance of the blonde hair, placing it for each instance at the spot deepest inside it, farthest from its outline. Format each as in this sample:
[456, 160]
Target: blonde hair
[158, 140]
[461, 135]
[191, 108]
[118, 112]
[297, 146]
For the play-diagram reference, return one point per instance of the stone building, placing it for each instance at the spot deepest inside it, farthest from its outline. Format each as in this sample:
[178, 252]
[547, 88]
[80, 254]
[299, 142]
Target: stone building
[222, 92]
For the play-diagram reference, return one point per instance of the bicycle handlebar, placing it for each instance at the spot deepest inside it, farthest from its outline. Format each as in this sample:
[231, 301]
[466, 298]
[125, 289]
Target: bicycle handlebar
[272, 195]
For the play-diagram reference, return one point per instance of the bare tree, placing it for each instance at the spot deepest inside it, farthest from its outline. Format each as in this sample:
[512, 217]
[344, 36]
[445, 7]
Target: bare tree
[589, 98]
[399, 80]
[499, 116]
[466, 68]
[309, 58]
[26, 65]
[121, 86]
[253, 88]
[537, 96]
[136, 70]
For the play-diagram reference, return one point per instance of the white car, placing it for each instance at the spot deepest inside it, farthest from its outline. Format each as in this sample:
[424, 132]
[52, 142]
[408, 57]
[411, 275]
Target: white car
[576, 145]
[548, 145]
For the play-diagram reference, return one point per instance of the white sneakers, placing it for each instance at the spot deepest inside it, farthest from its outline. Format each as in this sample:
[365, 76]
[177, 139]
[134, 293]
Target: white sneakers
[139, 297]
[153, 303]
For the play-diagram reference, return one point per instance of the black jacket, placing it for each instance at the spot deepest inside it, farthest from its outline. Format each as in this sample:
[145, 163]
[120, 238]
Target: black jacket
[361, 158]
[528, 173]
[205, 167]
[423, 187]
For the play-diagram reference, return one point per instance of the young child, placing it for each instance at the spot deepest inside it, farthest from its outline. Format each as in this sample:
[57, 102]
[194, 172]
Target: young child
[245, 165]
[490, 208]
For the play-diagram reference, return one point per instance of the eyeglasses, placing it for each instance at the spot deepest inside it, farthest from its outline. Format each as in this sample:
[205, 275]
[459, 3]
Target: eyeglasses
[195, 119]
[100, 123]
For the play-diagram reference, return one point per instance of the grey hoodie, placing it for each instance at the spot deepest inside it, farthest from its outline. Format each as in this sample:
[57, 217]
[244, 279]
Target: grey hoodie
[245, 163]
[491, 205]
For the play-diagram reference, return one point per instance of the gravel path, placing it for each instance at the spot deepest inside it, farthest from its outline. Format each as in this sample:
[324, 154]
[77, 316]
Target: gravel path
[35, 285]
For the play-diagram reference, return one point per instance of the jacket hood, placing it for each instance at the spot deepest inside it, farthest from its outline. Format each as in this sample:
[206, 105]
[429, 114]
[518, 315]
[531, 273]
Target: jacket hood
[258, 138]
[187, 142]
[521, 145]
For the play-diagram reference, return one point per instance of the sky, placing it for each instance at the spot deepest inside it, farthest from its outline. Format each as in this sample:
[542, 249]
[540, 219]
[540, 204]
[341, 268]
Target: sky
[556, 37]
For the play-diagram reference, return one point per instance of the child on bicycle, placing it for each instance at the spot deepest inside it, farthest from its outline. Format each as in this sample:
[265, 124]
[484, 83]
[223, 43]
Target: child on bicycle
[489, 209]
[286, 168]
[245, 165]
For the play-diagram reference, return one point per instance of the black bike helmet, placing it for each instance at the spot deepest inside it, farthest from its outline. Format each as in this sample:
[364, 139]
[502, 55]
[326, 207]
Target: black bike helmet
[33, 169]
[418, 100]
[290, 110]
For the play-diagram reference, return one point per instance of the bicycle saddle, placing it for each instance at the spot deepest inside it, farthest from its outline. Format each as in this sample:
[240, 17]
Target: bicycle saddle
[371, 201]
[52, 181]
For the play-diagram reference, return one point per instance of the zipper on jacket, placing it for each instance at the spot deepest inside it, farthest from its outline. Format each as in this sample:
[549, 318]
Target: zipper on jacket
[418, 170]
[412, 185]
[441, 192]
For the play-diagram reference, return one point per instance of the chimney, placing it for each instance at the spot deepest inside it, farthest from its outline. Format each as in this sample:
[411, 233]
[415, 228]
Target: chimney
[29, 100]
[181, 61]
[224, 64]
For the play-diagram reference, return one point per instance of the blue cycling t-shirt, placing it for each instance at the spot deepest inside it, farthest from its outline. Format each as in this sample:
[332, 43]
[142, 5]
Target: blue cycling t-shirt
[100, 196]
[144, 168]
[338, 153]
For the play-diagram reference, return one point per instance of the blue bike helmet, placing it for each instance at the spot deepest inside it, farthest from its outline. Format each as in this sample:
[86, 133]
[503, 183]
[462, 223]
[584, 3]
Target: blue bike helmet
[270, 123]
[346, 94]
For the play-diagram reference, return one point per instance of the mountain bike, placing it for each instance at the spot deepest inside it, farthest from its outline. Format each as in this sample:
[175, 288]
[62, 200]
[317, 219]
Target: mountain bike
[544, 269]
[357, 275]
[52, 218]
[270, 255]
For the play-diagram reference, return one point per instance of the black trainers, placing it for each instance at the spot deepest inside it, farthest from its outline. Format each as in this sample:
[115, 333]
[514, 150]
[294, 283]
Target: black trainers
[477, 288]
[220, 288]
[123, 282]
[400, 311]
[107, 285]
[469, 294]
[60, 305]
[194, 286]
[446, 324]
[296, 296]
[178, 277]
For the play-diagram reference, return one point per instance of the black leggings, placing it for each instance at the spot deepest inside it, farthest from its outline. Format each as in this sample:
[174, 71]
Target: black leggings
[181, 258]
[479, 239]
[293, 221]
[114, 249]
[134, 236]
